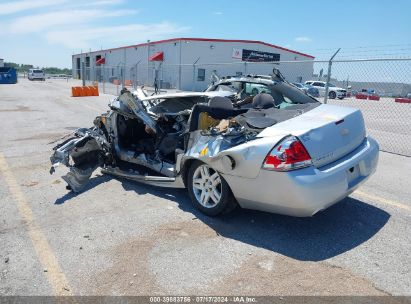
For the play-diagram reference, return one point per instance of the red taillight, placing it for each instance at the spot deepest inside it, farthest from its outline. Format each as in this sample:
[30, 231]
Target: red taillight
[288, 155]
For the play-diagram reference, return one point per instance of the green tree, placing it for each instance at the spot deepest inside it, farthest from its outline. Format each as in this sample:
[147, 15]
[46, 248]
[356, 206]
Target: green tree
[24, 68]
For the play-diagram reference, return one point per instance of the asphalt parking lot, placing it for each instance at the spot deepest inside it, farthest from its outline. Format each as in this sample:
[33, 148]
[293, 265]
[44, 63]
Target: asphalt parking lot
[386, 120]
[123, 238]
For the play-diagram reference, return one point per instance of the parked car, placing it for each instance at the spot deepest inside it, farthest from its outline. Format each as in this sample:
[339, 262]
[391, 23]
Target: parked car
[34, 74]
[369, 92]
[113, 79]
[251, 89]
[333, 91]
[280, 151]
[309, 89]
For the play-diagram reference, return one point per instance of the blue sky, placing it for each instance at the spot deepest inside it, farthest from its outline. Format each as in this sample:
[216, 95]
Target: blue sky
[47, 32]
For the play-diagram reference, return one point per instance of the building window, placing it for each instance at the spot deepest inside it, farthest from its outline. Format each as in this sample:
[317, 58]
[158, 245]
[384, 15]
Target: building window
[200, 74]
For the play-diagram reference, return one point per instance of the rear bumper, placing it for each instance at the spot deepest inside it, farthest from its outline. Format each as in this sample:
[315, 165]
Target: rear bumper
[341, 94]
[305, 192]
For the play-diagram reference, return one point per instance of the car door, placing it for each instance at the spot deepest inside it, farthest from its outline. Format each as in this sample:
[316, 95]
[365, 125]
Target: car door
[320, 86]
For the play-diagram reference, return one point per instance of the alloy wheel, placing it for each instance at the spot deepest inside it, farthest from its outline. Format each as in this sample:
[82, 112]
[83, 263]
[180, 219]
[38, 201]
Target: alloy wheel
[207, 186]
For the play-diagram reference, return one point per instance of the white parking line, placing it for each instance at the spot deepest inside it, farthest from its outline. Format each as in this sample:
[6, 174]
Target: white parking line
[91, 107]
[382, 200]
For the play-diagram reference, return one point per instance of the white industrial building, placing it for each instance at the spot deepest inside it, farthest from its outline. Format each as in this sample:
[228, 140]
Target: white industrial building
[188, 63]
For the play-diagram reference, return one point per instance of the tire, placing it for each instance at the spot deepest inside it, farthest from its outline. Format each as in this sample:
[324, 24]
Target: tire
[208, 190]
[332, 95]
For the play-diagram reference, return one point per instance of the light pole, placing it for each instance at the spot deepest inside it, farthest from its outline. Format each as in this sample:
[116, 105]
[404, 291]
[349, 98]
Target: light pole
[327, 85]
[179, 69]
[194, 73]
[121, 74]
[148, 59]
[136, 78]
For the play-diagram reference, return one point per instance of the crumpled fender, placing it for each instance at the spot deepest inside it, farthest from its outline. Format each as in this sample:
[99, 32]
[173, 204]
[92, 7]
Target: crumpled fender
[82, 153]
[239, 156]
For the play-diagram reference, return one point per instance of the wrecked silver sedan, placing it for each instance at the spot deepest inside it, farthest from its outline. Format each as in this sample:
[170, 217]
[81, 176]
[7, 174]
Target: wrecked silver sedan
[279, 151]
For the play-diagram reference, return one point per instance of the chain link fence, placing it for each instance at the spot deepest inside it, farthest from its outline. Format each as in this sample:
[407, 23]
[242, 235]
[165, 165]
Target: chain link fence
[380, 88]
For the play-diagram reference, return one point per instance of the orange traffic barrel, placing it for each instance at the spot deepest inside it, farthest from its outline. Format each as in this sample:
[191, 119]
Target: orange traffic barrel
[360, 96]
[82, 91]
[373, 97]
[87, 91]
[75, 91]
[403, 100]
[94, 90]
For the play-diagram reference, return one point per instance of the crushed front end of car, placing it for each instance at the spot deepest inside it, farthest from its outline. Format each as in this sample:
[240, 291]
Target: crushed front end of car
[82, 153]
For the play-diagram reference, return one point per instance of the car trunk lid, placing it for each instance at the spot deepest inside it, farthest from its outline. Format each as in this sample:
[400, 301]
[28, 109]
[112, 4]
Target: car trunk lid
[328, 132]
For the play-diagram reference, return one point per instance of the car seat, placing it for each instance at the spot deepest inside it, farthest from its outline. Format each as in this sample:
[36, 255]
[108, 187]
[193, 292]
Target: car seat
[219, 102]
[204, 116]
[263, 101]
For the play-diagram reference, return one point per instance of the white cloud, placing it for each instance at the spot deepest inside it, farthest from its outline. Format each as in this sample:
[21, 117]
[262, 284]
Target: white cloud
[41, 22]
[12, 7]
[77, 24]
[132, 33]
[103, 2]
[217, 13]
[98, 3]
[303, 39]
